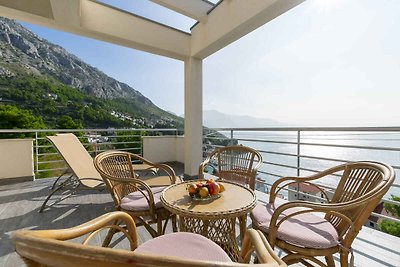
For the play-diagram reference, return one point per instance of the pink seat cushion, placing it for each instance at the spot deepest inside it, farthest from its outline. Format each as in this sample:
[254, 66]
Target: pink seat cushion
[137, 202]
[305, 230]
[184, 245]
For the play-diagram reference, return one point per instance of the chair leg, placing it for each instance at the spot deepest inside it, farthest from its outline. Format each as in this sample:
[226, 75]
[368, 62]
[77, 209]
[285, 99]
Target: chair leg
[165, 225]
[146, 225]
[159, 225]
[242, 223]
[48, 198]
[61, 186]
[59, 177]
[110, 235]
[344, 259]
[173, 222]
[329, 261]
[296, 258]
[174, 226]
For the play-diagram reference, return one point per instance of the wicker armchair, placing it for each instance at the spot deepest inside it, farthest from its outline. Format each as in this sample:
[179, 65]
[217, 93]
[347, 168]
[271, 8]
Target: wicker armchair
[295, 228]
[135, 194]
[234, 163]
[50, 248]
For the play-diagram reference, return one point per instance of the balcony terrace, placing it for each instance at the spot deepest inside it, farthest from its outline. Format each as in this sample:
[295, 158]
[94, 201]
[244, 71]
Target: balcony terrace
[288, 151]
[20, 202]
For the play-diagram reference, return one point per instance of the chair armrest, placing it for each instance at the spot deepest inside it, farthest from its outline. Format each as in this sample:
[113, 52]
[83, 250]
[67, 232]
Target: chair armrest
[303, 179]
[92, 226]
[255, 241]
[169, 171]
[283, 182]
[201, 167]
[165, 167]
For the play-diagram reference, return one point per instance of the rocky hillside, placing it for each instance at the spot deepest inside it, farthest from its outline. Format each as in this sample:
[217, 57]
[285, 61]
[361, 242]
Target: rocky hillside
[22, 53]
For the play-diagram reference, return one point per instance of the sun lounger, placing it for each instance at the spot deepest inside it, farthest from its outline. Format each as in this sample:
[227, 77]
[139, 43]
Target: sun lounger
[80, 164]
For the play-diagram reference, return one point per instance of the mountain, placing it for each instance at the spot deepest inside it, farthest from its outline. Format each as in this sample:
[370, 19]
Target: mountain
[215, 119]
[26, 58]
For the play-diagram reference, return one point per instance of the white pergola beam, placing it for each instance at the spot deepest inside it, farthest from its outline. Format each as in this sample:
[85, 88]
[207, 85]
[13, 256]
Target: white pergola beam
[231, 20]
[102, 22]
[40, 8]
[195, 9]
[66, 11]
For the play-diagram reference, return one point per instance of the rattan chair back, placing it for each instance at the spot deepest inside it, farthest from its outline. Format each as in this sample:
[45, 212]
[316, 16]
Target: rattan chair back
[117, 171]
[361, 183]
[234, 163]
[115, 168]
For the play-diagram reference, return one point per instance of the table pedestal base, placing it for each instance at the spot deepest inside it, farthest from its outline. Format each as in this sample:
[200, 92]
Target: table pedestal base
[221, 231]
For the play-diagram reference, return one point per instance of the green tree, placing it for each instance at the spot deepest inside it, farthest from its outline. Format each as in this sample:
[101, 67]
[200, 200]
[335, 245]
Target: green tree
[12, 117]
[388, 226]
[129, 140]
[392, 208]
[66, 122]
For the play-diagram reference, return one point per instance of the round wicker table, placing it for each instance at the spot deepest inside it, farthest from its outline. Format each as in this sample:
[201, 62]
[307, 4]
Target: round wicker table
[213, 218]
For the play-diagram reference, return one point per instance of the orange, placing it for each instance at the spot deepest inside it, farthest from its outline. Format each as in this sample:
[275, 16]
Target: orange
[221, 187]
[203, 192]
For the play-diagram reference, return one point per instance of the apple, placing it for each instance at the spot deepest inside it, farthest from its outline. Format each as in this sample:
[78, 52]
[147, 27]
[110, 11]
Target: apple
[213, 188]
[209, 181]
[192, 188]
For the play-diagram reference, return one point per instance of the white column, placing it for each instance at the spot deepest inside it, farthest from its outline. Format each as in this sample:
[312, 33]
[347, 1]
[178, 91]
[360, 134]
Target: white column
[193, 115]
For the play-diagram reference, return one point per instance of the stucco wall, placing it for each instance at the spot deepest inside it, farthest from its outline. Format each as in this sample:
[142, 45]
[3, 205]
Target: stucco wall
[163, 148]
[16, 159]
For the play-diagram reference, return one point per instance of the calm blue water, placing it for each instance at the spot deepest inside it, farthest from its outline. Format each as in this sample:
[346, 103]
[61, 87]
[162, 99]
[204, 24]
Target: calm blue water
[386, 140]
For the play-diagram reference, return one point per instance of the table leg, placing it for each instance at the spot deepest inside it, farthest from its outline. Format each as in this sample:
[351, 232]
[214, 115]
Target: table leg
[243, 226]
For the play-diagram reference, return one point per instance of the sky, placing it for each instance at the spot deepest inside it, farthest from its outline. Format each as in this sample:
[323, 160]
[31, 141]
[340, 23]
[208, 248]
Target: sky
[323, 63]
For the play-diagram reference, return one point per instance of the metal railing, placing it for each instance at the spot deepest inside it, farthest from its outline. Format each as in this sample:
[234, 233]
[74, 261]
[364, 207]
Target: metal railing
[47, 161]
[286, 151]
[301, 151]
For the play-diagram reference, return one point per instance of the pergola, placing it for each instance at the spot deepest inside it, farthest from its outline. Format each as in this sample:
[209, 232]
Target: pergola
[217, 26]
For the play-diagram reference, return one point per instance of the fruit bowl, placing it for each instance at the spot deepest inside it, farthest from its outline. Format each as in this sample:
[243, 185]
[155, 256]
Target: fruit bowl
[208, 198]
[205, 191]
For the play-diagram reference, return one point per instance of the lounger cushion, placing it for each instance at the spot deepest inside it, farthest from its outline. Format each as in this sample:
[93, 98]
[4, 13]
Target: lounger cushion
[307, 230]
[184, 245]
[137, 202]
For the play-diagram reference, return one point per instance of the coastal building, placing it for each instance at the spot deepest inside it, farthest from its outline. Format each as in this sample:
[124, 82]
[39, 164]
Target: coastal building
[306, 192]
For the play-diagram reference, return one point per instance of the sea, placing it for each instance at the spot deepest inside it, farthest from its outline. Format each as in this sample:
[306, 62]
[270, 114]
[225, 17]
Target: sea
[320, 144]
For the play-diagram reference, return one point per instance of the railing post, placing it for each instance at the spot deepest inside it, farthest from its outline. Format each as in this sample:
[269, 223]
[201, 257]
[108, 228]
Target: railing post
[231, 137]
[298, 163]
[298, 153]
[141, 144]
[37, 153]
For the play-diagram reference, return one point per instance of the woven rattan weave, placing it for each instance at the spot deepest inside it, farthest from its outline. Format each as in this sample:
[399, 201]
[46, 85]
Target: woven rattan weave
[214, 219]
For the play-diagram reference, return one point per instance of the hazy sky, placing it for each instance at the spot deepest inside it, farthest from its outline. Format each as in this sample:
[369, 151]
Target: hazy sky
[324, 63]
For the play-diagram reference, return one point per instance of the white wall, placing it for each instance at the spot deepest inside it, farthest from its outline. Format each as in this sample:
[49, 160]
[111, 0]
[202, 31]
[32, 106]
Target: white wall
[16, 159]
[163, 148]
